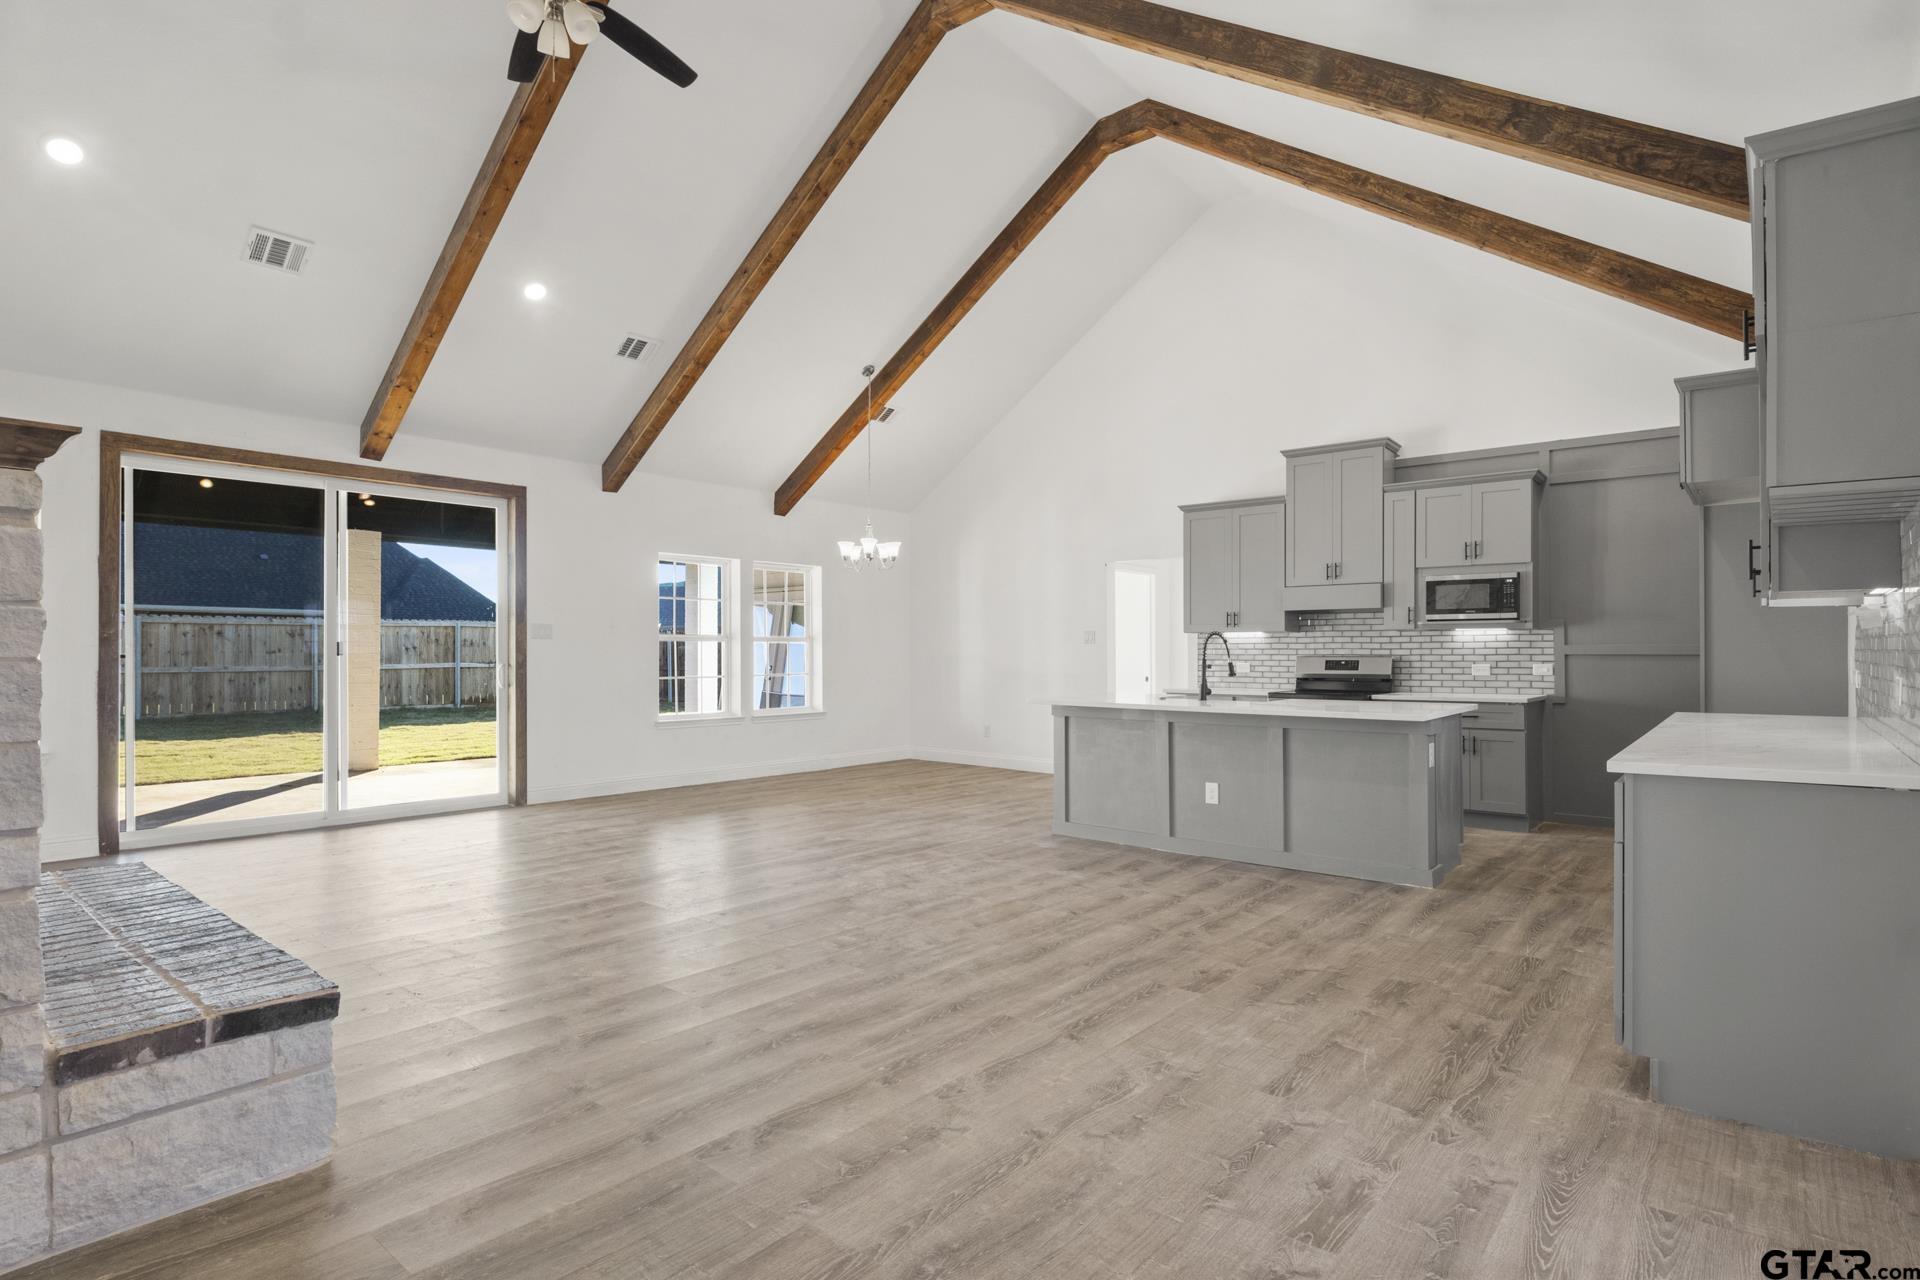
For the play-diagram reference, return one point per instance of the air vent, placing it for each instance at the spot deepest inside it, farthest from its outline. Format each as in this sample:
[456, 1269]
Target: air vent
[633, 346]
[277, 252]
[886, 414]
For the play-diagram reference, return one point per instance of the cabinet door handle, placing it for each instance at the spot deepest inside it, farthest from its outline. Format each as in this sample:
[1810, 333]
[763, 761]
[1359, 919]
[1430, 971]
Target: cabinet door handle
[1476, 548]
[1466, 551]
[1409, 613]
[1336, 568]
[1753, 571]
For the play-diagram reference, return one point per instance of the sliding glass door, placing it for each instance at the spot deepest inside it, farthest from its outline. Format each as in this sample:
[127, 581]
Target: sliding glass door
[298, 650]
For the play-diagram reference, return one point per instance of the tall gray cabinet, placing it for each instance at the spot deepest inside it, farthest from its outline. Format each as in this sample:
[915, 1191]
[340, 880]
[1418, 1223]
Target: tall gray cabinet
[1836, 236]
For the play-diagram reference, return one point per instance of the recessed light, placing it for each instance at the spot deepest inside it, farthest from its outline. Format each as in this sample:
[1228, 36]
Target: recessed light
[534, 291]
[205, 483]
[64, 150]
[366, 499]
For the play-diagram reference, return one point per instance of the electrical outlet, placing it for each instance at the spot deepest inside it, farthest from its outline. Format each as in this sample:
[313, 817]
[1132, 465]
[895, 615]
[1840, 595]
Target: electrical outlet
[1543, 668]
[1091, 637]
[986, 731]
[1213, 793]
[1483, 668]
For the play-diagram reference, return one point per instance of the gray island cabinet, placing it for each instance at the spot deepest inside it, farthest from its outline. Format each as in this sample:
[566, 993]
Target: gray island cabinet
[1350, 788]
[1766, 959]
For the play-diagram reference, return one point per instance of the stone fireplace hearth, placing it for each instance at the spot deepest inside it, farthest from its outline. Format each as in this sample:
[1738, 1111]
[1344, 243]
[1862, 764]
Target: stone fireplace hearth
[154, 1054]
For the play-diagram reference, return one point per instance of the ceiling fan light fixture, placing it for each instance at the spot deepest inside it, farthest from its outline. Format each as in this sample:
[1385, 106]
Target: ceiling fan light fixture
[582, 21]
[553, 40]
[528, 15]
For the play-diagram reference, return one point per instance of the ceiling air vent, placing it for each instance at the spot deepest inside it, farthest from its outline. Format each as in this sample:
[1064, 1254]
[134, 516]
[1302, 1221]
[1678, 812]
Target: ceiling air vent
[633, 346]
[886, 414]
[277, 252]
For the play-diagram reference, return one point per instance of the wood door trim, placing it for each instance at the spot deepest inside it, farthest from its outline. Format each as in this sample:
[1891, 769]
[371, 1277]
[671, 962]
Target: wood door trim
[116, 446]
[1712, 306]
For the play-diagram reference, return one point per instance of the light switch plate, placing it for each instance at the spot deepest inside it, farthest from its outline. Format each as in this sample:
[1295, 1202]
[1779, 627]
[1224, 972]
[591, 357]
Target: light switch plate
[1483, 668]
[1543, 668]
[539, 631]
[1091, 637]
[1213, 793]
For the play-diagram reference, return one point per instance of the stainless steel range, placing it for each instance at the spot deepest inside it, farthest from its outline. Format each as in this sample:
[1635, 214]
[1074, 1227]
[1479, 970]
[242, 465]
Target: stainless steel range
[1338, 677]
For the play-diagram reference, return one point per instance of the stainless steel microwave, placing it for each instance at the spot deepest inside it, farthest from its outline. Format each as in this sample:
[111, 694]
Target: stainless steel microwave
[1472, 597]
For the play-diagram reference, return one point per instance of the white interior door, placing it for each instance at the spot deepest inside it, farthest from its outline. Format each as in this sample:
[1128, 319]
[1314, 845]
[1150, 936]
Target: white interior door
[1133, 636]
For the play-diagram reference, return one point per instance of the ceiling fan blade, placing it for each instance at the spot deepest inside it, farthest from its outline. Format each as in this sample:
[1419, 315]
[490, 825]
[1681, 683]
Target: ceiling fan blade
[644, 47]
[524, 63]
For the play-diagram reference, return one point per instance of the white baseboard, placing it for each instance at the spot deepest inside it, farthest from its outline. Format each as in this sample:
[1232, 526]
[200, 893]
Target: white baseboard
[537, 794]
[67, 848]
[985, 760]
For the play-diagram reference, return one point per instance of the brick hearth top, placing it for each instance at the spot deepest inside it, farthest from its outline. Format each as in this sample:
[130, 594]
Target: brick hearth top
[139, 969]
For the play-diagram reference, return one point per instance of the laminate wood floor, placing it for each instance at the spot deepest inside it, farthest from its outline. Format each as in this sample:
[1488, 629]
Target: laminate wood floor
[881, 1023]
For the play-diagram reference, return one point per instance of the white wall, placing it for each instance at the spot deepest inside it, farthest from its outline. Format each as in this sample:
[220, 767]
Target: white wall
[589, 575]
[1274, 322]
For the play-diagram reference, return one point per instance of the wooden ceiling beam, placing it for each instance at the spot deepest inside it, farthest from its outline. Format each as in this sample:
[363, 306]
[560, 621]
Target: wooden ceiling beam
[929, 22]
[521, 129]
[1711, 306]
[1693, 171]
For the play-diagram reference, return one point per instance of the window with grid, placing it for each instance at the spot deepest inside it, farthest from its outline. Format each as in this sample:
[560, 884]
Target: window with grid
[786, 637]
[695, 637]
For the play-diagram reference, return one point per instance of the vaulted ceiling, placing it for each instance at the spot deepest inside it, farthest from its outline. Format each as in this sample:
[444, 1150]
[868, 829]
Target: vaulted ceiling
[359, 125]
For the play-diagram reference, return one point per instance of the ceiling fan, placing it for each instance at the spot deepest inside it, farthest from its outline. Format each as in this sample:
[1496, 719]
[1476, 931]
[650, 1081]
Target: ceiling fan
[548, 29]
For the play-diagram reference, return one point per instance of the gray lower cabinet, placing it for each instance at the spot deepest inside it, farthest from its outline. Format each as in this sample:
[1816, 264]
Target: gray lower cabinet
[1400, 594]
[1234, 561]
[1502, 748]
[1764, 957]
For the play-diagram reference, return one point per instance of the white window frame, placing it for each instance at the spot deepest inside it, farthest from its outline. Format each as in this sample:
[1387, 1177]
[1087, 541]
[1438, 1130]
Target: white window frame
[816, 684]
[728, 639]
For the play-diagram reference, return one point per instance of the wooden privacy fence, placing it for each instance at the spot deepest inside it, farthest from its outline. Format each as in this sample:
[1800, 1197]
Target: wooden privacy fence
[218, 664]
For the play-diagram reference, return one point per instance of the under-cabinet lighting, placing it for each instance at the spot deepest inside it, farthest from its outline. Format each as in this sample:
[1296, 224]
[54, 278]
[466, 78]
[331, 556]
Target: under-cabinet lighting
[206, 483]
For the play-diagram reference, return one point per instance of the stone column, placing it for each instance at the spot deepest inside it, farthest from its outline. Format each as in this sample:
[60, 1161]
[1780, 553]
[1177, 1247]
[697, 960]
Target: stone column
[363, 649]
[24, 1225]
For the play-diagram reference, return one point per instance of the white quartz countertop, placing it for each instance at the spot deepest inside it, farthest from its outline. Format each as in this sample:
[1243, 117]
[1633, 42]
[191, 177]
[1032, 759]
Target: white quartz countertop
[1294, 708]
[1836, 751]
[1462, 695]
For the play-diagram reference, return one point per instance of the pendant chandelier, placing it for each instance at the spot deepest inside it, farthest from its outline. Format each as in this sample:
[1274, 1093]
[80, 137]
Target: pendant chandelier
[867, 547]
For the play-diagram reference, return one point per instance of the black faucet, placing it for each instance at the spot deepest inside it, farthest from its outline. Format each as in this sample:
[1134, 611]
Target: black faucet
[1206, 690]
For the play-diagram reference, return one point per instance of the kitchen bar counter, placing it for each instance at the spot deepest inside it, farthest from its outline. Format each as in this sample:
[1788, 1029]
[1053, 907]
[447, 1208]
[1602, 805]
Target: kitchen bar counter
[1347, 787]
[1301, 708]
[1764, 883]
[1837, 751]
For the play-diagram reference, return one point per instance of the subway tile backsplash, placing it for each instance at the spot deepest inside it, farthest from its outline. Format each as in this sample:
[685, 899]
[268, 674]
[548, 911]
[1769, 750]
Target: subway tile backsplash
[1886, 650]
[1424, 661]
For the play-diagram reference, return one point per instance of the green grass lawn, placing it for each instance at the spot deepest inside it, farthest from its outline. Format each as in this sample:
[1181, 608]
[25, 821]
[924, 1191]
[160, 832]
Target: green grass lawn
[200, 748]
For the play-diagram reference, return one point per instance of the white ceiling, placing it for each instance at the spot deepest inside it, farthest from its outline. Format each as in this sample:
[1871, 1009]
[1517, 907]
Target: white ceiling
[359, 124]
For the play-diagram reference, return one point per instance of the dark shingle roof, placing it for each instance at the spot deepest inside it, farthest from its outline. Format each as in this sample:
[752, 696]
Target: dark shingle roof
[186, 566]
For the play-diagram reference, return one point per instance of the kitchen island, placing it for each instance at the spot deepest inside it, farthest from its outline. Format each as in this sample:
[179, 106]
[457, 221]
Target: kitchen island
[1766, 959]
[1346, 787]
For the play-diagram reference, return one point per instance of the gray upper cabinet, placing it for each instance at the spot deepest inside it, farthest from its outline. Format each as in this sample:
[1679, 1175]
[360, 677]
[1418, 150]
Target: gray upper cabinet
[1211, 576]
[1310, 521]
[1488, 520]
[1720, 436]
[1399, 600]
[1837, 296]
[1503, 517]
[1335, 513]
[1260, 541]
[1235, 558]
